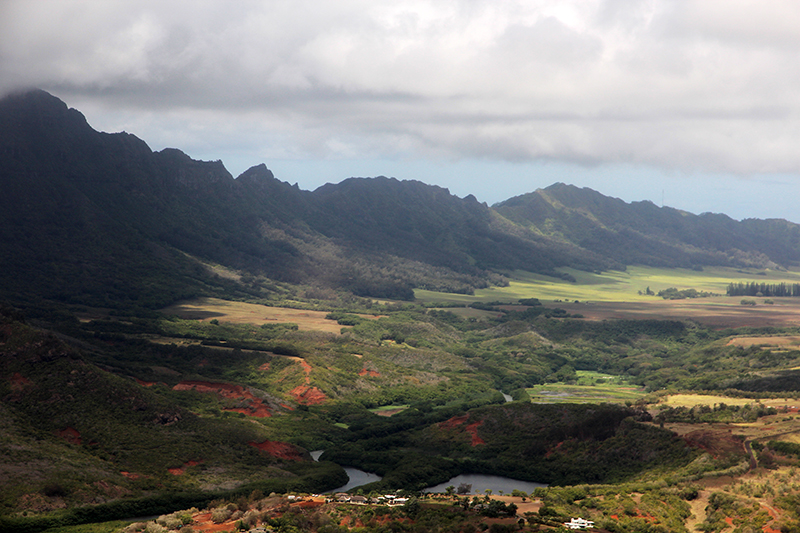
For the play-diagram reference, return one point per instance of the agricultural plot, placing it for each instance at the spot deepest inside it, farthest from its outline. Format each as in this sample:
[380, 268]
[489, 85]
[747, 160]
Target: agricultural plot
[389, 410]
[247, 313]
[615, 294]
[591, 387]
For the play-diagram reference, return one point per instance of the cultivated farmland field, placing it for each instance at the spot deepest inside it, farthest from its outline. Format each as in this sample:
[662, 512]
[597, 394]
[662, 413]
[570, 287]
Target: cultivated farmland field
[247, 313]
[617, 295]
[591, 387]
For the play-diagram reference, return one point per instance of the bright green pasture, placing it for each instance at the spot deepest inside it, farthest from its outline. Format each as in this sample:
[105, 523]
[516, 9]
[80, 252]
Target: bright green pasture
[612, 286]
[592, 387]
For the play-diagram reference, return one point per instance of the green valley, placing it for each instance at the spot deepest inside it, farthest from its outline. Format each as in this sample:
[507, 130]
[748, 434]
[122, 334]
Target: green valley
[176, 342]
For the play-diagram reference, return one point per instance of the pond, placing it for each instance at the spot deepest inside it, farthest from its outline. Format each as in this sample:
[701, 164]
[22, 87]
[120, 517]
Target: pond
[356, 477]
[481, 482]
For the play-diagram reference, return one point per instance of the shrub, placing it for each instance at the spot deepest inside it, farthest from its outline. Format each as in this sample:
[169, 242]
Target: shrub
[220, 515]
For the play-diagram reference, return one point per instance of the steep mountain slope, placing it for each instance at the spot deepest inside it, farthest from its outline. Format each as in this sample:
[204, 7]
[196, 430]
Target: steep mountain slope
[99, 218]
[642, 233]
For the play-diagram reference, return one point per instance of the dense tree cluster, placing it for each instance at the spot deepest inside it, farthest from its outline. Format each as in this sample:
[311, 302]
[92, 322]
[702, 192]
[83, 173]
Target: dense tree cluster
[755, 288]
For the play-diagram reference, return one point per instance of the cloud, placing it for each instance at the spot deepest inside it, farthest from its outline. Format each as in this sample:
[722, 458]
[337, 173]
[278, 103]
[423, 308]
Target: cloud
[708, 85]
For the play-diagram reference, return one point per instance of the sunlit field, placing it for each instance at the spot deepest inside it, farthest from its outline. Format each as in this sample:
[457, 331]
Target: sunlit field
[614, 286]
[591, 387]
[247, 313]
[624, 295]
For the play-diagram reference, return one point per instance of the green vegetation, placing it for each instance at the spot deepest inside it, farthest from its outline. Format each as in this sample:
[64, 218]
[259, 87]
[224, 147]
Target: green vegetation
[629, 285]
[179, 338]
[586, 387]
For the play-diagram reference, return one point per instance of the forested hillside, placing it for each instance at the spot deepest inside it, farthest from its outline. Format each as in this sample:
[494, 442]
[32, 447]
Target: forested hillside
[100, 219]
[643, 233]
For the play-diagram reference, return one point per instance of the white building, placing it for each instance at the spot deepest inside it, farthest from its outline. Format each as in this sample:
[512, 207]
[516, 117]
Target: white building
[578, 523]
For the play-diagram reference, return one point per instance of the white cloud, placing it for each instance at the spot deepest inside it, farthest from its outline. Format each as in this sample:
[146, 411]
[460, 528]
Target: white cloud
[693, 85]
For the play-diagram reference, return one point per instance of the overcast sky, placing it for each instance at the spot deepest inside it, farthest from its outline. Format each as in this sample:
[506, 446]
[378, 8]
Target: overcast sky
[695, 104]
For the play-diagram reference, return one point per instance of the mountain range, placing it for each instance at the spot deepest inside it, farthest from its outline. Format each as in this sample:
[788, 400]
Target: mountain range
[100, 219]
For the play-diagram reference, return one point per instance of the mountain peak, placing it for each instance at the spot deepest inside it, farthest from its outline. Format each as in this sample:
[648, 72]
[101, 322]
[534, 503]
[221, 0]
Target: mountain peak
[257, 173]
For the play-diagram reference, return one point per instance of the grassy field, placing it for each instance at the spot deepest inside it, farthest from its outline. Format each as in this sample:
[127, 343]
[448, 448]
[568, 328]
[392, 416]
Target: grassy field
[389, 410]
[247, 313]
[610, 295]
[613, 286]
[591, 387]
[691, 400]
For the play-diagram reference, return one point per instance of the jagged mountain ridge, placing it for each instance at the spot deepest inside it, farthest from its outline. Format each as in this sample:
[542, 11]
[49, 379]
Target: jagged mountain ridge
[642, 233]
[100, 218]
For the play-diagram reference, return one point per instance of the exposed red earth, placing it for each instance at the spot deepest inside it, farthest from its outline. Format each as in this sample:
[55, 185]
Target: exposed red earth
[372, 373]
[179, 471]
[203, 522]
[18, 382]
[255, 406]
[70, 435]
[453, 422]
[471, 429]
[308, 395]
[279, 450]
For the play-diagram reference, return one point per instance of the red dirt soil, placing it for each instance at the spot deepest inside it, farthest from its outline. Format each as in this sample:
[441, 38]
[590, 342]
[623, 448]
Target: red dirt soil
[372, 373]
[18, 382]
[306, 368]
[70, 435]
[308, 395]
[255, 407]
[280, 450]
[203, 522]
[181, 469]
[472, 429]
[453, 422]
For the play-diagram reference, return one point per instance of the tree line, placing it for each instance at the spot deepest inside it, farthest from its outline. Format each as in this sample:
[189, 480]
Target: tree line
[755, 288]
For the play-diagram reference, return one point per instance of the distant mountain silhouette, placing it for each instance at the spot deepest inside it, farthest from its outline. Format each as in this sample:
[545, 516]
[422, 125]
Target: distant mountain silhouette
[100, 219]
[642, 233]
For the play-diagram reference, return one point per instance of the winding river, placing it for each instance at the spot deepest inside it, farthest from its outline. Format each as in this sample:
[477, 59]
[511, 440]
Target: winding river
[479, 482]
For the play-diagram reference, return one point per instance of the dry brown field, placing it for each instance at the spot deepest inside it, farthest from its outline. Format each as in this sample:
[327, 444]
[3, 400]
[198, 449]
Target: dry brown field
[718, 311]
[206, 309]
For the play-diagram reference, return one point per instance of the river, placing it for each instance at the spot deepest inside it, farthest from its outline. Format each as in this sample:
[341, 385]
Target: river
[479, 482]
[356, 477]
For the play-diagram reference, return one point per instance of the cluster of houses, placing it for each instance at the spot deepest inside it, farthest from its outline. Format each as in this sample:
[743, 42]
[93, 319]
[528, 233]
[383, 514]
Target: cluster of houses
[387, 499]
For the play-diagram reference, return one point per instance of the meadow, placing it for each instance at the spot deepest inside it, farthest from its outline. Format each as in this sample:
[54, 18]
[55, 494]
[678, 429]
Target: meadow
[616, 294]
[207, 309]
[612, 286]
[590, 387]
